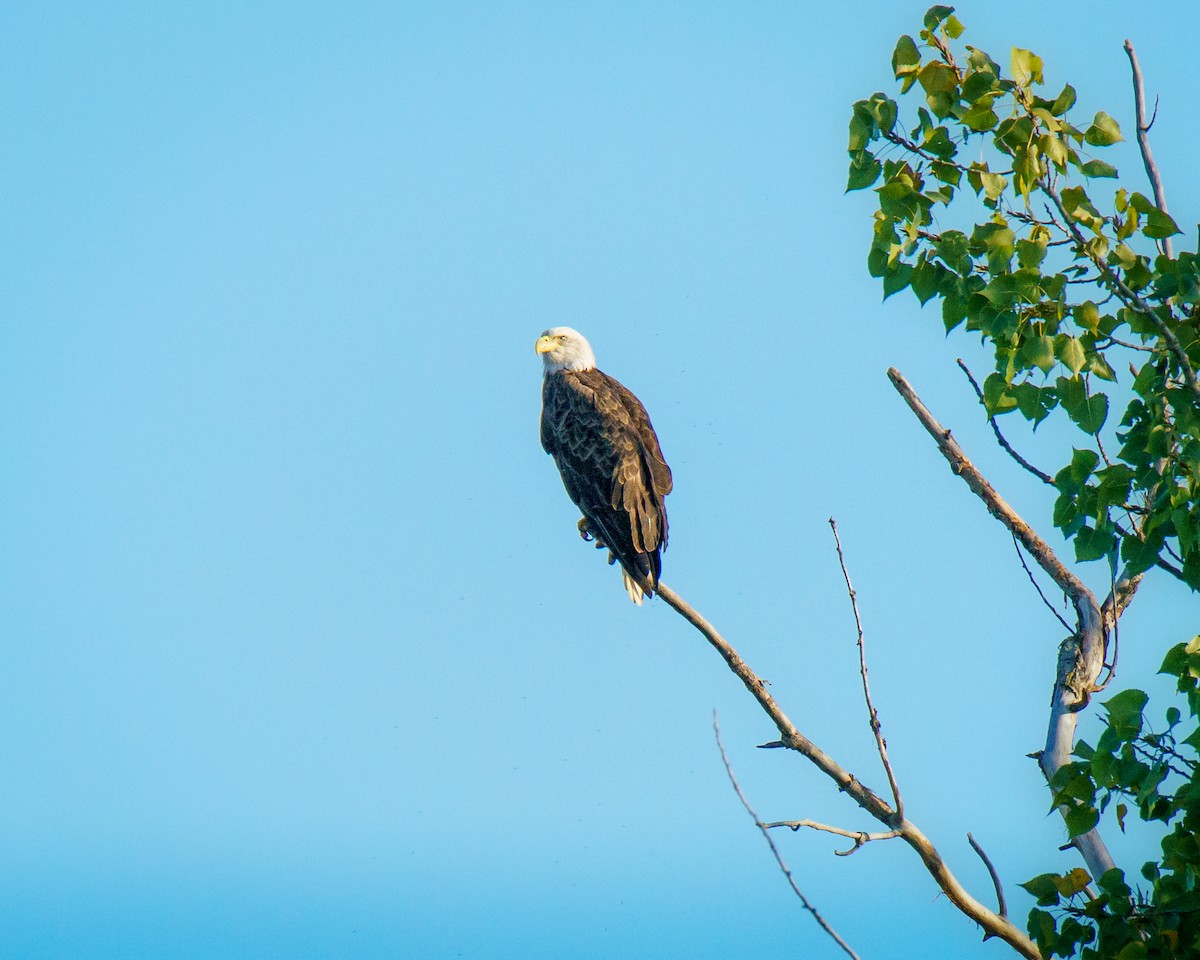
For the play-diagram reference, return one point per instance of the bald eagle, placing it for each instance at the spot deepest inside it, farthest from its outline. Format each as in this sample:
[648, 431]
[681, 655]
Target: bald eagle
[604, 445]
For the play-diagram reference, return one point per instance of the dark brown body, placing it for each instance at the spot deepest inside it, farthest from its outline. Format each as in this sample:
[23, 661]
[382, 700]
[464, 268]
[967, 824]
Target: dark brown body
[604, 445]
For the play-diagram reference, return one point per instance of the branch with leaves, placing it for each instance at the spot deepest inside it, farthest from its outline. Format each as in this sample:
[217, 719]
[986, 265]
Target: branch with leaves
[990, 204]
[1065, 300]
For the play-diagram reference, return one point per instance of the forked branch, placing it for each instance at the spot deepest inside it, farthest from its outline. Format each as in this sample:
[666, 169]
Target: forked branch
[1143, 139]
[790, 737]
[1081, 656]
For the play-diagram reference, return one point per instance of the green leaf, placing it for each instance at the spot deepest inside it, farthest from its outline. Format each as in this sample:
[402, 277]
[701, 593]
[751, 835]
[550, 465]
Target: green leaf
[1103, 132]
[1053, 149]
[1159, 225]
[1181, 659]
[1038, 351]
[953, 251]
[980, 117]
[1079, 207]
[1125, 713]
[926, 279]
[1044, 887]
[1093, 544]
[935, 15]
[862, 126]
[1031, 253]
[864, 170]
[905, 58]
[1070, 351]
[1081, 819]
[1113, 883]
[997, 241]
[896, 279]
[1064, 102]
[1138, 554]
[1034, 402]
[1075, 474]
[1026, 169]
[1073, 882]
[1097, 168]
[996, 398]
[1087, 315]
[1088, 412]
[936, 77]
[1026, 67]
[946, 172]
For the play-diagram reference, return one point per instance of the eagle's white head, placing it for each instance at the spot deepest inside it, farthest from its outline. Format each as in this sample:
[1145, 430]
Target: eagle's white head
[562, 348]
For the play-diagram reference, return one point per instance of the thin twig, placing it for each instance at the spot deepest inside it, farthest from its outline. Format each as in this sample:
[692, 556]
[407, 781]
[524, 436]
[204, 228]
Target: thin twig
[1002, 907]
[1036, 586]
[762, 827]
[1114, 633]
[860, 837]
[1158, 756]
[873, 714]
[1129, 346]
[1040, 474]
[1143, 139]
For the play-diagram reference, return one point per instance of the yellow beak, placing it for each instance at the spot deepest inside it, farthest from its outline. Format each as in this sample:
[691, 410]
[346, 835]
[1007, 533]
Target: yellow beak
[545, 344]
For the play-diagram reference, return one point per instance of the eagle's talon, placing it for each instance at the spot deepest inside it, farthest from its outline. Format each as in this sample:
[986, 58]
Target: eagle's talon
[586, 532]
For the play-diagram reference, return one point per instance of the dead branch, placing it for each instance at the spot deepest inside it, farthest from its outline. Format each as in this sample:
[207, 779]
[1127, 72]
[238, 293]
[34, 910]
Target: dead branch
[1143, 139]
[860, 837]
[960, 465]
[1001, 905]
[876, 806]
[805, 902]
[1081, 655]
[872, 713]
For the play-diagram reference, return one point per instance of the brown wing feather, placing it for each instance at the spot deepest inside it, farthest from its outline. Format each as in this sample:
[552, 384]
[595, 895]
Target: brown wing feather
[612, 465]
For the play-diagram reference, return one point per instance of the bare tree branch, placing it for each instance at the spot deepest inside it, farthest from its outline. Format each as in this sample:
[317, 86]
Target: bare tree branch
[866, 798]
[872, 713]
[860, 837]
[1081, 655]
[762, 827]
[1143, 139]
[1040, 474]
[1002, 906]
[1045, 558]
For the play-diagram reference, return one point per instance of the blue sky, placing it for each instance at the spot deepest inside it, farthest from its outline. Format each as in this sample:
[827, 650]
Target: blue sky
[303, 656]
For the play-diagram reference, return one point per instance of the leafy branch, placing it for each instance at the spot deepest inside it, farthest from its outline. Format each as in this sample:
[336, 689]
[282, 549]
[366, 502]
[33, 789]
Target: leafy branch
[1066, 299]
